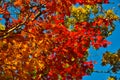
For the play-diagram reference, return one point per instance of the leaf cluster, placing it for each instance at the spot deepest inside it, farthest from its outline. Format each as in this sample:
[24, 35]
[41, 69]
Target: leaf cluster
[113, 59]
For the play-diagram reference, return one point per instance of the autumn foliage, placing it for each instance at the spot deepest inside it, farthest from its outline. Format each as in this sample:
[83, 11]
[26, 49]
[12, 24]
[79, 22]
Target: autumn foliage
[49, 39]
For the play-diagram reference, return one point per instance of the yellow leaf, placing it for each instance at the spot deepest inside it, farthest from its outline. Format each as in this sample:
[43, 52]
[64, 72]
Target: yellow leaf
[40, 42]
[66, 65]
[72, 59]
[88, 6]
[111, 78]
[2, 27]
[41, 65]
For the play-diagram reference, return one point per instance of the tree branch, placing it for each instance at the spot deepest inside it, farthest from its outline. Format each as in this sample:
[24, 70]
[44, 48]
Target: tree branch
[108, 72]
[19, 25]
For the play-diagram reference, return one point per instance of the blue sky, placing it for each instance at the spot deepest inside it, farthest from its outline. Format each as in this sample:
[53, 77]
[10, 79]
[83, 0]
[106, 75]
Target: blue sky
[96, 55]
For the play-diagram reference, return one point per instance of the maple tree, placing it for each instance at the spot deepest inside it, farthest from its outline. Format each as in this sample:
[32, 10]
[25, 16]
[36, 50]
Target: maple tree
[49, 39]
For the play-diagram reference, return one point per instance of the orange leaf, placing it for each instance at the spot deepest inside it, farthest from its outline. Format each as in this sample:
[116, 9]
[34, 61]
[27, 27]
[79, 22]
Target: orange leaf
[18, 3]
[0, 18]
[100, 21]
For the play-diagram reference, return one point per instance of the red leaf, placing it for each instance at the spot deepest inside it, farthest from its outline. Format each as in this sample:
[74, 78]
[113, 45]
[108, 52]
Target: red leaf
[79, 55]
[106, 1]
[0, 18]
[99, 38]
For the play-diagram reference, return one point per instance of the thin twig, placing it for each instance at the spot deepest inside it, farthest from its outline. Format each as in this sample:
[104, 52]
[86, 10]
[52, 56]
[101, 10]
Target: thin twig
[19, 25]
[108, 72]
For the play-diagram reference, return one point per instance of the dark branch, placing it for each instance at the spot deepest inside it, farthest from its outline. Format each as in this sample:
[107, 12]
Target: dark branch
[108, 72]
[19, 25]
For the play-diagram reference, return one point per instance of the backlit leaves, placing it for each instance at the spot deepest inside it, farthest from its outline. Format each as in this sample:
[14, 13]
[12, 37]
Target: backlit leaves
[50, 39]
[2, 27]
[111, 78]
[113, 59]
[111, 15]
